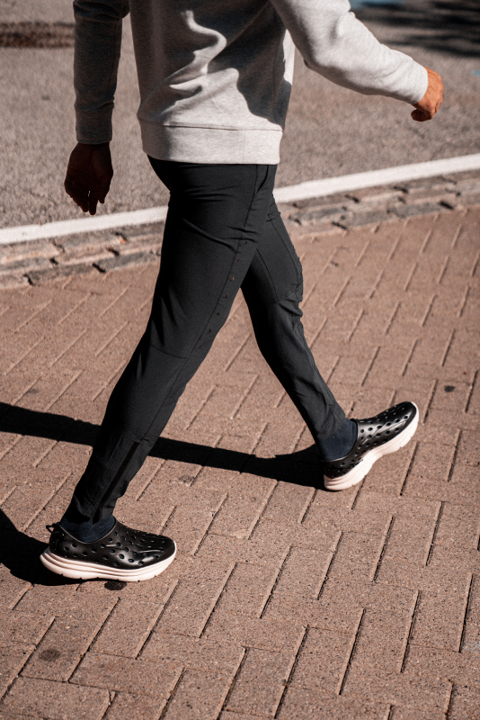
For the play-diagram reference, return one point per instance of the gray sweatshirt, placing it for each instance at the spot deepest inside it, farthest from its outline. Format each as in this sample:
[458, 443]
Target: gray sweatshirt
[215, 75]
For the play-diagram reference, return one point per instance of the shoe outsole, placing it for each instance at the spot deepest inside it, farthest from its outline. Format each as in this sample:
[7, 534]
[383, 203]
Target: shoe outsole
[357, 473]
[80, 570]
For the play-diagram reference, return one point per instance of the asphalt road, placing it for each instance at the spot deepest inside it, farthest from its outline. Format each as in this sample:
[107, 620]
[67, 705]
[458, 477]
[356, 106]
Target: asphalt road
[330, 131]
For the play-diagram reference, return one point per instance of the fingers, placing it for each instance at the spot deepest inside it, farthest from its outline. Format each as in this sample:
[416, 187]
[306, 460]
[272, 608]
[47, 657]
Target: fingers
[78, 193]
[423, 115]
[420, 116]
[92, 204]
[97, 196]
[86, 200]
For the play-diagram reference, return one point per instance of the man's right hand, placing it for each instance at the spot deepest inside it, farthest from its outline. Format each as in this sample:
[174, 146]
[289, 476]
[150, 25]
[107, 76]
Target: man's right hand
[431, 101]
[89, 174]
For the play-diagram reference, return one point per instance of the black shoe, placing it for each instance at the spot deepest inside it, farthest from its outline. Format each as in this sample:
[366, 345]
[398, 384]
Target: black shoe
[123, 554]
[377, 436]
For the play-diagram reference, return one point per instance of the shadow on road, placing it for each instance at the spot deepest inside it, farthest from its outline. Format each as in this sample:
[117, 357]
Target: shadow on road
[446, 26]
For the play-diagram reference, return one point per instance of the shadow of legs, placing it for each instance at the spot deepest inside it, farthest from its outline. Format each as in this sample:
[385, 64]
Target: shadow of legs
[301, 468]
[20, 553]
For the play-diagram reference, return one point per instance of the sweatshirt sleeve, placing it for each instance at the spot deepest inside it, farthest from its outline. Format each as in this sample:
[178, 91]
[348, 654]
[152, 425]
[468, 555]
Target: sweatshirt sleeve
[98, 35]
[341, 48]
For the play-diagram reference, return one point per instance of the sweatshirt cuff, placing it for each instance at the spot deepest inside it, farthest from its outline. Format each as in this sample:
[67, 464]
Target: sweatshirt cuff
[419, 84]
[92, 128]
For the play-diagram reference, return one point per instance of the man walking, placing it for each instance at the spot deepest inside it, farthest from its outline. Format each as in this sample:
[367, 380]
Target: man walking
[215, 79]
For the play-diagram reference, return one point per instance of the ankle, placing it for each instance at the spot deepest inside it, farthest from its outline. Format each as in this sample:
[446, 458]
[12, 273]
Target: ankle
[340, 443]
[85, 530]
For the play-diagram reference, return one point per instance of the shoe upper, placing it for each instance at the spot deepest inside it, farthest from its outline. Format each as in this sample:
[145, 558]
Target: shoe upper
[372, 432]
[122, 548]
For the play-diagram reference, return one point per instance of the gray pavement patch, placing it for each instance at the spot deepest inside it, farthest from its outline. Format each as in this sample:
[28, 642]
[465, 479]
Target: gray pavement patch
[330, 130]
[440, 25]
[36, 35]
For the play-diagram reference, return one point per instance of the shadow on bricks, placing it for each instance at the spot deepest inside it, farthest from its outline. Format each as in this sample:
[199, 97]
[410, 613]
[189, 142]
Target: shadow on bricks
[300, 468]
[21, 555]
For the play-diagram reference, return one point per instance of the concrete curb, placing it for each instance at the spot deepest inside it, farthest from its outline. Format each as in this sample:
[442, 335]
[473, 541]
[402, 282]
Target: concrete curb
[40, 261]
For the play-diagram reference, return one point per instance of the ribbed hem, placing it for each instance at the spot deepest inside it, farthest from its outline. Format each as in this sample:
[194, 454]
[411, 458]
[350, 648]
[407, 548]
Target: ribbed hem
[211, 145]
[421, 85]
[93, 127]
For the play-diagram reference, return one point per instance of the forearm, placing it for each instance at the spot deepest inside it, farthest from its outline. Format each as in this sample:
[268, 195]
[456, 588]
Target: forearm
[98, 33]
[342, 49]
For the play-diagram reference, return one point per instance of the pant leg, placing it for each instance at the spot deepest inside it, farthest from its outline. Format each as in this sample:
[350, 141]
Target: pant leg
[215, 221]
[273, 289]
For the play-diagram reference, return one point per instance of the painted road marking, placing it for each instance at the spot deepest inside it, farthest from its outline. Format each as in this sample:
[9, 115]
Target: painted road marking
[303, 191]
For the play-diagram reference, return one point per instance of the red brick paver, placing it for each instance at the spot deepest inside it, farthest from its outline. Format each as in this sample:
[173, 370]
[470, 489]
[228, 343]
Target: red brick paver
[285, 601]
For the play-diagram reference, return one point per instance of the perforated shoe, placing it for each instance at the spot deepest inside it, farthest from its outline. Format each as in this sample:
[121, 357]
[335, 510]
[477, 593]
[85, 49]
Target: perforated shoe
[377, 436]
[123, 554]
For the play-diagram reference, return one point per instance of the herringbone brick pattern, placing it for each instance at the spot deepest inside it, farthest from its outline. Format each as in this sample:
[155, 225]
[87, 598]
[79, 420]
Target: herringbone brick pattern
[285, 601]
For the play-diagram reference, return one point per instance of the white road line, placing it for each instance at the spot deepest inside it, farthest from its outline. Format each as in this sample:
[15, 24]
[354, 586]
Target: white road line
[303, 191]
[81, 225]
[401, 173]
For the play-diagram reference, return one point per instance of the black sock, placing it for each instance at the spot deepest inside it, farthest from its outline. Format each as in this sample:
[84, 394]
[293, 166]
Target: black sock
[84, 529]
[340, 443]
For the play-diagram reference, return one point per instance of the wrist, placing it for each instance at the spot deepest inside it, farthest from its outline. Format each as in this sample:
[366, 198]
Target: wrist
[93, 145]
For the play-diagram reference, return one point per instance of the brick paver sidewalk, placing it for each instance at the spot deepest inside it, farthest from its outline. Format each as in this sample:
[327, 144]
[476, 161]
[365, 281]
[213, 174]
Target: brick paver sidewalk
[285, 600]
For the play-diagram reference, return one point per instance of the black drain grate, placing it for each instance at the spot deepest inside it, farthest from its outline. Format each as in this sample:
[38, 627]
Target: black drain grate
[36, 35]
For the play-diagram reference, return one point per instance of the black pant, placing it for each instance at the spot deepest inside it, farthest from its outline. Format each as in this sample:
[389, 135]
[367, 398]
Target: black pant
[223, 232]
